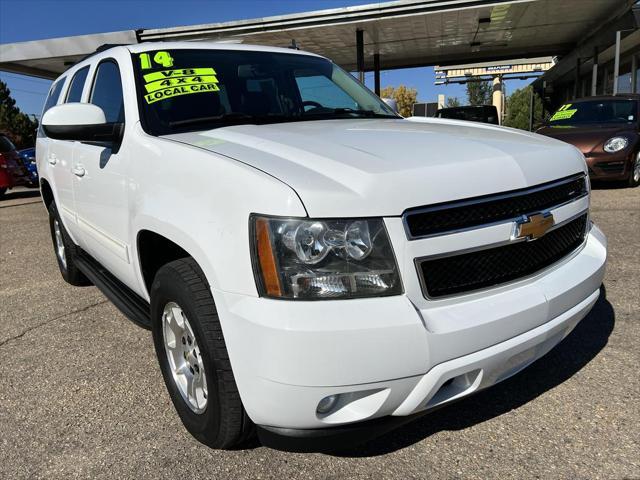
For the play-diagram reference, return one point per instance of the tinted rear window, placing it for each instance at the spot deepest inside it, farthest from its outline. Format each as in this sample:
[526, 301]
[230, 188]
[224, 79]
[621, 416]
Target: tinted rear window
[77, 85]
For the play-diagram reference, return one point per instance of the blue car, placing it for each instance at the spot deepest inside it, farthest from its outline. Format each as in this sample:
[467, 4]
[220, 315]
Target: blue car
[28, 157]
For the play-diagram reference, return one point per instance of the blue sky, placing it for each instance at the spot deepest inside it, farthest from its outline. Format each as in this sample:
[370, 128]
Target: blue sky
[24, 20]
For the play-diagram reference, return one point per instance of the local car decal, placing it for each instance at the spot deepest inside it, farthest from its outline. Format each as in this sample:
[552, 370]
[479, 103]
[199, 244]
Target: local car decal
[564, 112]
[164, 84]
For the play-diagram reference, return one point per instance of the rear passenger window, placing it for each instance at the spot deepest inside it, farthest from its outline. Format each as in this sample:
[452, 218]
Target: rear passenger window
[77, 84]
[107, 91]
[54, 94]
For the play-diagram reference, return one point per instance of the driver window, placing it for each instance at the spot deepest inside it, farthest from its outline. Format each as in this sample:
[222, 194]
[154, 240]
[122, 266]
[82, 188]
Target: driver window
[107, 91]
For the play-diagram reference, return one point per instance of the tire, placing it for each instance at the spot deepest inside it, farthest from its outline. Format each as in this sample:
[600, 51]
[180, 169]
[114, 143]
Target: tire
[65, 250]
[217, 417]
[634, 175]
[3, 190]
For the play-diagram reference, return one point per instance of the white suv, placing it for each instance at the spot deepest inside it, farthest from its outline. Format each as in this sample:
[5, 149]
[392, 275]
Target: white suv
[311, 265]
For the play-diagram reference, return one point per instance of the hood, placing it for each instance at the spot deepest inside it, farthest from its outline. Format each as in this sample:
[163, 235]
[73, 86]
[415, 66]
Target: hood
[587, 138]
[381, 167]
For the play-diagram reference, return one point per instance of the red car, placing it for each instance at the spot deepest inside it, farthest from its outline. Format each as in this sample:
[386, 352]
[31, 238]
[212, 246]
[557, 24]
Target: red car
[12, 171]
[606, 129]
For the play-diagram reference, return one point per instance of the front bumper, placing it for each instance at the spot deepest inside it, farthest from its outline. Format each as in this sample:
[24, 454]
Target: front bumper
[436, 388]
[610, 166]
[392, 357]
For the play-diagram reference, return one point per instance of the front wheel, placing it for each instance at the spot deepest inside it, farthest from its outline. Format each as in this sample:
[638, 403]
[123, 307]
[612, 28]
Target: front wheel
[634, 175]
[193, 356]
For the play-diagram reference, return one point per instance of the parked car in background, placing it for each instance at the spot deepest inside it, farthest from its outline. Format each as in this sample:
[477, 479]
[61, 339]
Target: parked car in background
[607, 132]
[12, 171]
[28, 157]
[472, 113]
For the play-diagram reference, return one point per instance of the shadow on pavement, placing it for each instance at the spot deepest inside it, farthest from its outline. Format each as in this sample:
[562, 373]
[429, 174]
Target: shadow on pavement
[19, 194]
[588, 338]
[610, 185]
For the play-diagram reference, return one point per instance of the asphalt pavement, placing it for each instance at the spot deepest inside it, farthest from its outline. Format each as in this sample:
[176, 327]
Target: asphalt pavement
[81, 395]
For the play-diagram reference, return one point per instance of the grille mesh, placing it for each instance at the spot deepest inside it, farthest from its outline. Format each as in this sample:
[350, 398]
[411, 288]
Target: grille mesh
[486, 268]
[491, 209]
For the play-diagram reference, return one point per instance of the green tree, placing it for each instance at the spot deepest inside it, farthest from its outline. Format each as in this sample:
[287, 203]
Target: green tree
[453, 102]
[405, 98]
[479, 93]
[518, 108]
[18, 126]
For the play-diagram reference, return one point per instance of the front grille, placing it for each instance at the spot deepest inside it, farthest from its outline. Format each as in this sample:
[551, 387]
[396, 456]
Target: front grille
[453, 216]
[487, 268]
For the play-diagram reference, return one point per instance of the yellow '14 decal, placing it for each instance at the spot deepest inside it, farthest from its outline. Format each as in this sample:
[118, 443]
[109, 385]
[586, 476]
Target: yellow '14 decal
[161, 58]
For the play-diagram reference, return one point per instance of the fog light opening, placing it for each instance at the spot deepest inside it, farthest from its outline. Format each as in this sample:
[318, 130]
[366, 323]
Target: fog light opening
[327, 404]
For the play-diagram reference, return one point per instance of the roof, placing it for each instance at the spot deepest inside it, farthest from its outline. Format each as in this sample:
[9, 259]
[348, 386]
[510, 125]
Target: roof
[212, 45]
[405, 33]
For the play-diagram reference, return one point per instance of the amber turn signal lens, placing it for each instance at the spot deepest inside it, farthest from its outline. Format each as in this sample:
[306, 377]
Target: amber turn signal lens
[270, 277]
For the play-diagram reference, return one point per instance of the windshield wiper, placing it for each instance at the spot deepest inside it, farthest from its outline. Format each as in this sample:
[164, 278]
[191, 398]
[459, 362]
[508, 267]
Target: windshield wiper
[355, 111]
[214, 118]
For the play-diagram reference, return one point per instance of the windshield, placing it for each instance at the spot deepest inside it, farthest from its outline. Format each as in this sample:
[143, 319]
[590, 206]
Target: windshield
[484, 113]
[596, 111]
[182, 90]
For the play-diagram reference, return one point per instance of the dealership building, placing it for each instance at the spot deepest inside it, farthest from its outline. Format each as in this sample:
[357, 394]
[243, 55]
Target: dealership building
[594, 44]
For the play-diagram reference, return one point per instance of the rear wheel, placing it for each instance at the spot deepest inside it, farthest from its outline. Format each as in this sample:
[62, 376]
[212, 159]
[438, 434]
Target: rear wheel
[66, 251]
[634, 176]
[2, 191]
[193, 356]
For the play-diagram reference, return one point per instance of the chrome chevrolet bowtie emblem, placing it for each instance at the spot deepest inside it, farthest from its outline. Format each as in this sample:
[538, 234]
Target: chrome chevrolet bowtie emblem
[532, 227]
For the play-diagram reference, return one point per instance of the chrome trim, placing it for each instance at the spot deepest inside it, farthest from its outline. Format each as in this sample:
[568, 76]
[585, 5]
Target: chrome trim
[502, 243]
[490, 198]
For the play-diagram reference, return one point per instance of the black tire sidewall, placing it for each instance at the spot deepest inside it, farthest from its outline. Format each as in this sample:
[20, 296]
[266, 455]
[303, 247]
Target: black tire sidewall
[631, 182]
[169, 287]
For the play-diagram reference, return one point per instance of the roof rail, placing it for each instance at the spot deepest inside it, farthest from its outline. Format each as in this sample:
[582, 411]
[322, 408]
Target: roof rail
[102, 48]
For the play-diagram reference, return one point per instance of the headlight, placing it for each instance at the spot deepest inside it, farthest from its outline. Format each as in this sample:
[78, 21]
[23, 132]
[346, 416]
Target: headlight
[616, 144]
[316, 259]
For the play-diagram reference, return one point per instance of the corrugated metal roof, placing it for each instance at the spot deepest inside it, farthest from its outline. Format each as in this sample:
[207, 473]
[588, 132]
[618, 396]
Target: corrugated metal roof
[405, 33]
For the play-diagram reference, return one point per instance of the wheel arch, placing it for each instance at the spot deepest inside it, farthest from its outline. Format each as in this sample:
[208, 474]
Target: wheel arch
[46, 192]
[154, 251]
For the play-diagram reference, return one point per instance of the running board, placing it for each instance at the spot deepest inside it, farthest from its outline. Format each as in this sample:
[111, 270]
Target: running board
[132, 305]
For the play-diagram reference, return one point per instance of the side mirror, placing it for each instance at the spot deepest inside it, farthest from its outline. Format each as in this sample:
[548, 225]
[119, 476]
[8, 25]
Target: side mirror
[83, 122]
[391, 103]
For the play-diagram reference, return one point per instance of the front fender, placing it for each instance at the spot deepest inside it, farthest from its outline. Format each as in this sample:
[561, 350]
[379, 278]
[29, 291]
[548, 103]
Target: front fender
[202, 202]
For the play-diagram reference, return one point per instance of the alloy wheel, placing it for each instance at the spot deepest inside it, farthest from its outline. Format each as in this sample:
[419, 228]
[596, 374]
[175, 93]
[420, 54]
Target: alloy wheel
[183, 354]
[60, 251]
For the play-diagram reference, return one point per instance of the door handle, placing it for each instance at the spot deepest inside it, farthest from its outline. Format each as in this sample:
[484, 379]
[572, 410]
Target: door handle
[78, 170]
[52, 159]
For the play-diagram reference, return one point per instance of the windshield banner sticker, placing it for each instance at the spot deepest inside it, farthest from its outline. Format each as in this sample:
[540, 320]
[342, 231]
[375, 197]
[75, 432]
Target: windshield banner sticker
[172, 83]
[565, 112]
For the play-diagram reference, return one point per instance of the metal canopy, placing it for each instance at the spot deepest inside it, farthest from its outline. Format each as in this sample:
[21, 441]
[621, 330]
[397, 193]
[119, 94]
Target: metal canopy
[49, 58]
[404, 33]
